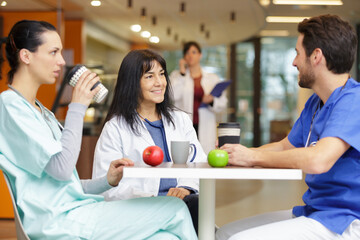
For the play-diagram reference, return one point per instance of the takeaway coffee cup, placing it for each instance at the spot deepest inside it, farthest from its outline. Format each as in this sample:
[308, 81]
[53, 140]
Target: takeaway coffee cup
[180, 151]
[74, 75]
[228, 133]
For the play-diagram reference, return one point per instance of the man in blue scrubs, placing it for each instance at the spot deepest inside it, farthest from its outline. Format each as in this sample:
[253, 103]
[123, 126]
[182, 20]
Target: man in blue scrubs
[324, 143]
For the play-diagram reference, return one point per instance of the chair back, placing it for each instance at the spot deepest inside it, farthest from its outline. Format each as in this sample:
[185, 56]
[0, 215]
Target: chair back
[20, 233]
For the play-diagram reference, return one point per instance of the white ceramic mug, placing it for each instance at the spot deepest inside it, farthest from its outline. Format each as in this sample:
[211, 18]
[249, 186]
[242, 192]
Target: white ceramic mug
[180, 151]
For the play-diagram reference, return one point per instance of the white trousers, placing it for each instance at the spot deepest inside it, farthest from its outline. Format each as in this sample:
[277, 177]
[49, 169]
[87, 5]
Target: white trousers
[282, 225]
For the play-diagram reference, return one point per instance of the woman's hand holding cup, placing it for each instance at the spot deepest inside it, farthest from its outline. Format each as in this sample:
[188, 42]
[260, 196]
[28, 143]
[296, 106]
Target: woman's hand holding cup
[83, 91]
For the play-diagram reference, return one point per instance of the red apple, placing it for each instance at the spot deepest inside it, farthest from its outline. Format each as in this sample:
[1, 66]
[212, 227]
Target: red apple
[153, 155]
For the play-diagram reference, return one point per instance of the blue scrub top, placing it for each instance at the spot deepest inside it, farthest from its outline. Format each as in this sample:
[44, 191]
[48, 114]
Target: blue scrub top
[333, 198]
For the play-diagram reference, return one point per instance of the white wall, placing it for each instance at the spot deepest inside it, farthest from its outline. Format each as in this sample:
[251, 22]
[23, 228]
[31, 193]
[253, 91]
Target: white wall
[98, 53]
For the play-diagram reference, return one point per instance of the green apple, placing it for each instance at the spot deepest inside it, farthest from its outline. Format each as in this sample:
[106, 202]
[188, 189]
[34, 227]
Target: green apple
[218, 158]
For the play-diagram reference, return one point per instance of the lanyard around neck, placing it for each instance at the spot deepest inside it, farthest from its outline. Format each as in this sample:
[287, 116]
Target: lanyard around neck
[312, 121]
[319, 108]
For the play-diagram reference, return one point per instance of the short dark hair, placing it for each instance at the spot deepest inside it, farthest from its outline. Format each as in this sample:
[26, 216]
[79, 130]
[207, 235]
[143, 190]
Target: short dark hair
[25, 34]
[128, 89]
[335, 37]
[188, 45]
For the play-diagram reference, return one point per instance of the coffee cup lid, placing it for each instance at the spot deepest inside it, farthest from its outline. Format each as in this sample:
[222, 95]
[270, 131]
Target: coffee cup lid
[72, 71]
[229, 125]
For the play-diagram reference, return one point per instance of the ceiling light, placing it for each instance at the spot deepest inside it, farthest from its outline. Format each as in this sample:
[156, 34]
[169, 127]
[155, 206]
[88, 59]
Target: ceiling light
[232, 17]
[143, 13]
[95, 3]
[308, 2]
[264, 2]
[274, 33]
[154, 20]
[154, 39]
[282, 19]
[130, 4]
[3, 3]
[182, 9]
[135, 28]
[145, 34]
[202, 27]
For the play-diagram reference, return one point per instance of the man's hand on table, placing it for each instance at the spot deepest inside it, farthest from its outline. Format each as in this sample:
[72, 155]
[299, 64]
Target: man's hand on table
[240, 155]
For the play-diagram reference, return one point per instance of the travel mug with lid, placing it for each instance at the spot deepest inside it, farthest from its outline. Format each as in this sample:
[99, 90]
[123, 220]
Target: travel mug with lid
[228, 133]
[74, 75]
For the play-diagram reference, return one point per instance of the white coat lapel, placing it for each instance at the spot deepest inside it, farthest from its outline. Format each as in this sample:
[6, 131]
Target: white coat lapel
[188, 102]
[145, 134]
[169, 132]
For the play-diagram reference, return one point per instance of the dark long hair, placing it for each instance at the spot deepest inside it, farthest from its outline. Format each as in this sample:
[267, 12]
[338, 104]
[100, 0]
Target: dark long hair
[2, 40]
[24, 34]
[128, 91]
[335, 37]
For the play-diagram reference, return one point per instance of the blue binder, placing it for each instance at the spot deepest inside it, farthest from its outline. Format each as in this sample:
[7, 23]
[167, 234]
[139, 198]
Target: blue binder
[217, 90]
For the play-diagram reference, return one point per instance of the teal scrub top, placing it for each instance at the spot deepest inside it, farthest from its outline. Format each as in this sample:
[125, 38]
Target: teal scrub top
[28, 140]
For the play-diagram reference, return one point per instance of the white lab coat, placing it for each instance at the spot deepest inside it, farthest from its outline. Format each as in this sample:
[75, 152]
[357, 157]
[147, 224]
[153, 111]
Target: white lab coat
[183, 92]
[118, 141]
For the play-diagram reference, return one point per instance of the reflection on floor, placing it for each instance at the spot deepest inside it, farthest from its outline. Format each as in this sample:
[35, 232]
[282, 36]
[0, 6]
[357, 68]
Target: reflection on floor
[235, 199]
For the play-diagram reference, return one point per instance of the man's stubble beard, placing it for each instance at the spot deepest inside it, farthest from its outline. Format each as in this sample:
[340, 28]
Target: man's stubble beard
[307, 78]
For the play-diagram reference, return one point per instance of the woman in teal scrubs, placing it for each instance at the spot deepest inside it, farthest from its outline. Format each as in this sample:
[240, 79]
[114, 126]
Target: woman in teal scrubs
[39, 156]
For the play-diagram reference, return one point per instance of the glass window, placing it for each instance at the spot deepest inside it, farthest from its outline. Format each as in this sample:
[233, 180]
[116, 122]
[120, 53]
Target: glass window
[245, 57]
[279, 88]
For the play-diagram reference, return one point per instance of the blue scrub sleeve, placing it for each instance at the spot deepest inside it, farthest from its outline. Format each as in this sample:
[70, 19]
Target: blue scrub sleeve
[345, 119]
[25, 138]
[294, 136]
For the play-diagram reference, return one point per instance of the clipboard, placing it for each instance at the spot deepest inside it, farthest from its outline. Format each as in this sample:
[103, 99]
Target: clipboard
[217, 90]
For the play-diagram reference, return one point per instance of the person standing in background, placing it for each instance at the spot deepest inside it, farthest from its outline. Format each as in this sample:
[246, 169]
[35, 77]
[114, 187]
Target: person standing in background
[191, 80]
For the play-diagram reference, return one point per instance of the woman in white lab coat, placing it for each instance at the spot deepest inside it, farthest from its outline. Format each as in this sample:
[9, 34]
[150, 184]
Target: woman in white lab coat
[141, 115]
[39, 156]
[192, 87]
